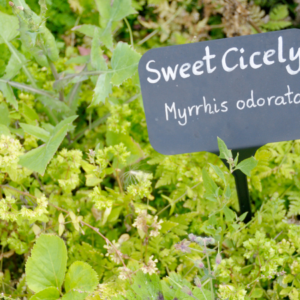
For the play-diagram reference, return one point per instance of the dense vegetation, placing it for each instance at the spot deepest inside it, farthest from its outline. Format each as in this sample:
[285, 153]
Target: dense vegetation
[88, 210]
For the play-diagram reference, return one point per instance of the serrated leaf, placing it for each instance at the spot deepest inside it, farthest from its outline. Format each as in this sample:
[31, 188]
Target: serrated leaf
[47, 265]
[36, 131]
[247, 165]
[279, 12]
[50, 293]
[9, 26]
[8, 94]
[81, 280]
[167, 225]
[114, 11]
[15, 63]
[102, 90]
[111, 12]
[224, 152]
[38, 159]
[124, 63]
[97, 60]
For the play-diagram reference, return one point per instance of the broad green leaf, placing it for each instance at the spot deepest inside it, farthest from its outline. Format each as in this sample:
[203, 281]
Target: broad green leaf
[97, 60]
[16, 61]
[224, 152]
[38, 159]
[50, 293]
[146, 286]
[81, 280]
[36, 131]
[102, 90]
[124, 63]
[247, 165]
[8, 94]
[47, 265]
[4, 113]
[4, 130]
[9, 26]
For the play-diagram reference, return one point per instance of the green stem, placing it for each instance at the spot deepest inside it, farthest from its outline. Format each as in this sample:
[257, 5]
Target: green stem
[130, 31]
[209, 269]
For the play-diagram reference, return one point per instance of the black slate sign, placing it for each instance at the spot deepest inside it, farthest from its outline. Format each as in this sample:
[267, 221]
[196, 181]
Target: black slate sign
[245, 90]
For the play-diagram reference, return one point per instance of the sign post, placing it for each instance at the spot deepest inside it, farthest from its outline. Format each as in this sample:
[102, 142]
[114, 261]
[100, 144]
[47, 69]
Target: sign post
[244, 90]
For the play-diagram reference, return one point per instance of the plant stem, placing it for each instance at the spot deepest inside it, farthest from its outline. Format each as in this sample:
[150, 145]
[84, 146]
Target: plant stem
[130, 31]
[209, 269]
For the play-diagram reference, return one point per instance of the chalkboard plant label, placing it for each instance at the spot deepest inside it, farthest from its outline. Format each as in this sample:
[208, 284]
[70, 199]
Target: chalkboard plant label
[245, 90]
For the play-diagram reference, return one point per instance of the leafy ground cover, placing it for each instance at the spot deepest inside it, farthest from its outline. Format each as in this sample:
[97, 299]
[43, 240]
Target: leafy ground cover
[88, 209]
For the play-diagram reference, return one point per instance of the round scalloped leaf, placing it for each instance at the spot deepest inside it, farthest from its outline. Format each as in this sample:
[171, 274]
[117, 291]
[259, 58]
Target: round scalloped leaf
[47, 265]
[81, 280]
[50, 293]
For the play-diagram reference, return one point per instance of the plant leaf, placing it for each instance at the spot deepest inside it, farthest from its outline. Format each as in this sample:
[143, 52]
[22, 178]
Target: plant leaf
[209, 184]
[38, 159]
[8, 94]
[50, 293]
[86, 29]
[9, 26]
[224, 152]
[219, 172]
[111, 13]
[97, 60]
[16, 61]
[102, 90]
[124, 62]
[247, 165]
[47, 265]
[36, 131]
[4, 113]
[81, 280]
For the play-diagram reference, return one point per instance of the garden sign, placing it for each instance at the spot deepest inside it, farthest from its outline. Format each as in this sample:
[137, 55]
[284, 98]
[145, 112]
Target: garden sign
[245, 90]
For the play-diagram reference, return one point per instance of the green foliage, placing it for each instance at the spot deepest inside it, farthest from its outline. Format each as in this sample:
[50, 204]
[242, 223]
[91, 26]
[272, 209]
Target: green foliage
[48, 251]
[45, 272]
[75, 162]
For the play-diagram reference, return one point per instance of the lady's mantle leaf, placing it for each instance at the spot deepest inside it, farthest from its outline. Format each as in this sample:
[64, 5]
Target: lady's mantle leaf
[38, 159]
[81, 280]
[50, 293]
[47, 265]
[124, 63]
